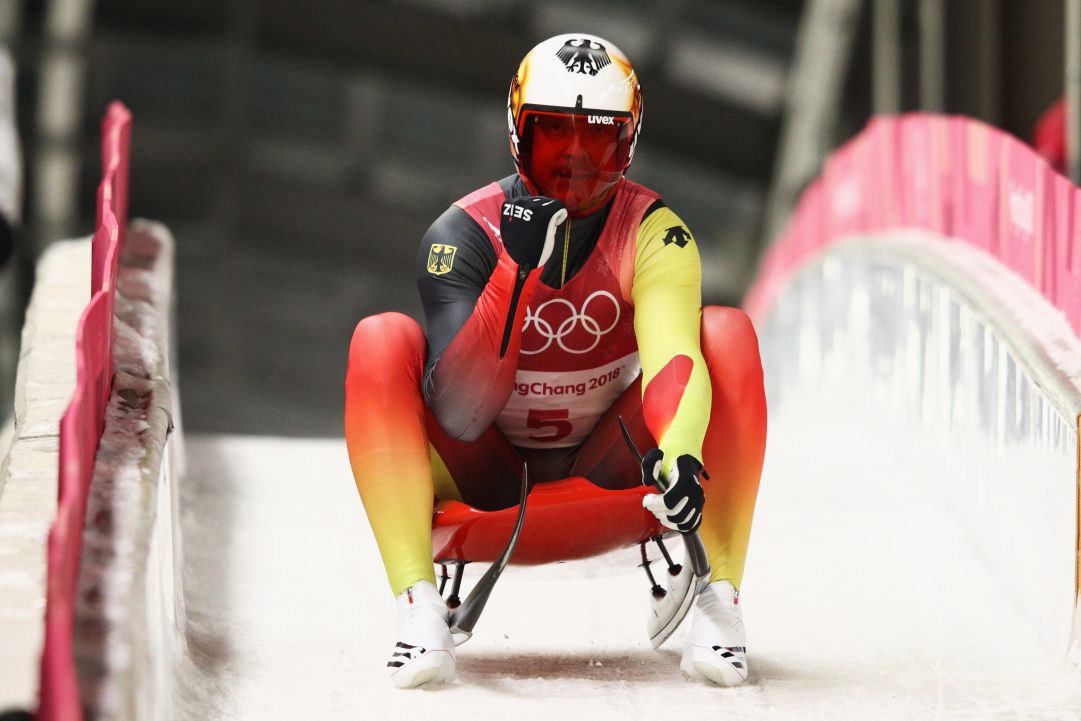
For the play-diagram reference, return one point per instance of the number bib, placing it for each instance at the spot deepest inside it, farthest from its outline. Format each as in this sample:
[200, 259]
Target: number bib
[559, 409]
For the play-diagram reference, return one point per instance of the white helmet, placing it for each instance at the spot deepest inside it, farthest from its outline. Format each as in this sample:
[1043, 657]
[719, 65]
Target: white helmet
[573, 113]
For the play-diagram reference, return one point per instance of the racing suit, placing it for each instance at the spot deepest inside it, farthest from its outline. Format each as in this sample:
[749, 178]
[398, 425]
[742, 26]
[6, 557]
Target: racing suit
[537, 365]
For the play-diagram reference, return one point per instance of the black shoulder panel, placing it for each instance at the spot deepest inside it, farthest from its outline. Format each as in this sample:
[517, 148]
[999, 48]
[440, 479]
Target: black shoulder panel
[653, 208]
[513, 186]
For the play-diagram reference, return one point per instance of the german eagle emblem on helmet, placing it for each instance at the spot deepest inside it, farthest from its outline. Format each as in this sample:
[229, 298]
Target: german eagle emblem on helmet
[583, 56]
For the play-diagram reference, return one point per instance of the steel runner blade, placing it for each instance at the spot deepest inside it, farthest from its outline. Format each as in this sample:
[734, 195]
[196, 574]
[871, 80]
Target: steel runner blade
[668, 612]
[465, 617]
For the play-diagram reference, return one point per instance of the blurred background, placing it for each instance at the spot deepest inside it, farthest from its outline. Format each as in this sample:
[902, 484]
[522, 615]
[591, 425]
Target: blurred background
[298, 150]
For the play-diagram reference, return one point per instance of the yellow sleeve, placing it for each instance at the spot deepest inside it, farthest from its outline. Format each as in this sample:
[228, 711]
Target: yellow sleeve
[667, 294]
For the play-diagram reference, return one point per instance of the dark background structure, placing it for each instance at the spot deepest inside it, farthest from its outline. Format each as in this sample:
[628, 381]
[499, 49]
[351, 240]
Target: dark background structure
[299, 150]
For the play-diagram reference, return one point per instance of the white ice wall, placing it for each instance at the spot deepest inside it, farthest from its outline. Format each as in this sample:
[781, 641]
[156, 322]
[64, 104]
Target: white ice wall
[29, 462]
[939, 337]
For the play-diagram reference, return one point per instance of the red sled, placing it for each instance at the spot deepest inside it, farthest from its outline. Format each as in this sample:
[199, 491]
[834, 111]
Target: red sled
[564, 521]
[561, 521]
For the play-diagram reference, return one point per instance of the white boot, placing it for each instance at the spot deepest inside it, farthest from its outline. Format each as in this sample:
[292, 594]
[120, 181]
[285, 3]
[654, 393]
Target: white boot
[424, 653]
[716, 647]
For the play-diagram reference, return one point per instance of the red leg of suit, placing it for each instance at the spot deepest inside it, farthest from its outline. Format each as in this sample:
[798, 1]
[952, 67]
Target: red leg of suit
[388, 430]
[734, 446]
[388, 443]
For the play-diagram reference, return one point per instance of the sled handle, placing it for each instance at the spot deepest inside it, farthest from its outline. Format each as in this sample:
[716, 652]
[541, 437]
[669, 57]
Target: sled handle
[696, 550]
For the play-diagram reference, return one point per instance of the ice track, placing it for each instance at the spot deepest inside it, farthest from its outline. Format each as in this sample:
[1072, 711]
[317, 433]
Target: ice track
[861, 601]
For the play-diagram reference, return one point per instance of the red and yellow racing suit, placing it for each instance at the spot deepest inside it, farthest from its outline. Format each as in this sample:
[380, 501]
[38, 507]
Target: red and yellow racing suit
[537, 365]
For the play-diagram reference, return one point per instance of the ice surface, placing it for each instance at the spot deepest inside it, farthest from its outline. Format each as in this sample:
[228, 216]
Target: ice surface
[862, 600]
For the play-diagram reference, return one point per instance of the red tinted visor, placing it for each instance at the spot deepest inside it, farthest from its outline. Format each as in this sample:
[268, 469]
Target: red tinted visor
[577, 157]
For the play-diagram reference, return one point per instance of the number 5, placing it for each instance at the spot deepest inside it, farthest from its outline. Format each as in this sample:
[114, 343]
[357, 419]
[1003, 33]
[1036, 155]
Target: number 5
[555, 419]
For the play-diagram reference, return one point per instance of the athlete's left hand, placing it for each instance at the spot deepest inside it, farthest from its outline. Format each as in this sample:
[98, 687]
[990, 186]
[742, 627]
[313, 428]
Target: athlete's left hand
[679, 506]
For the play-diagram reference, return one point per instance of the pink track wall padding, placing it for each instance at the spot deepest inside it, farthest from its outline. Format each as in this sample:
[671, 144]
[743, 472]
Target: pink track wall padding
[82, 425]
[953, 176]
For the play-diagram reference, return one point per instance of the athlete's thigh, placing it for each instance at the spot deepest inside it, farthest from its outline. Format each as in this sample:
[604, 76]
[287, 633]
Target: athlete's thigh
[485, 473]
[605, 458]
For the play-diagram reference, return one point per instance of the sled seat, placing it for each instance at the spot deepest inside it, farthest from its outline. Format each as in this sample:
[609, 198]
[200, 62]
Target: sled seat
[564, 520]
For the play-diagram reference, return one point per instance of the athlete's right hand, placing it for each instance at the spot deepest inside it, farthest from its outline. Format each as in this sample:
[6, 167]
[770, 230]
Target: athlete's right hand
[527, 226]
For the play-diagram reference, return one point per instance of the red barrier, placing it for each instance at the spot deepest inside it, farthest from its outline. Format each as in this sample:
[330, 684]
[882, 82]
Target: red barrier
[80, 430]
[1022, 231]
[844, 211]
[880, 173]
[113, 188]
[917, 176]
[81, 426]
[1065, 280]
[956, 177]
[977, 157]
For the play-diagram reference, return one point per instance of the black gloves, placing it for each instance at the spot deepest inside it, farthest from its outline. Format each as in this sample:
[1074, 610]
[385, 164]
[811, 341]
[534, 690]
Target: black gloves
[679, 505]
[527, 225]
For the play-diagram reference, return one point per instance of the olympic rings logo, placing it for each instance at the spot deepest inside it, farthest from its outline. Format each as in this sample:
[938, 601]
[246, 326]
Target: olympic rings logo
[557, 331]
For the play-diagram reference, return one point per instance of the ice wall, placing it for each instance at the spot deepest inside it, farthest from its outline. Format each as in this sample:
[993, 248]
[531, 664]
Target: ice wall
[128, 613]
[29, 462]
[941, 338]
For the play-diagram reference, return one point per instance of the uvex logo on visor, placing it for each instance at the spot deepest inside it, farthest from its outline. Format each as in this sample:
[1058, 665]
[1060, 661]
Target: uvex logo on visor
[601, 120]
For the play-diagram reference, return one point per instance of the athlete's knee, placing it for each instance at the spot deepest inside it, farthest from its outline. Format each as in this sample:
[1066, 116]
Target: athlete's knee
[729, 342]
[385, 343]
[386, 334]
